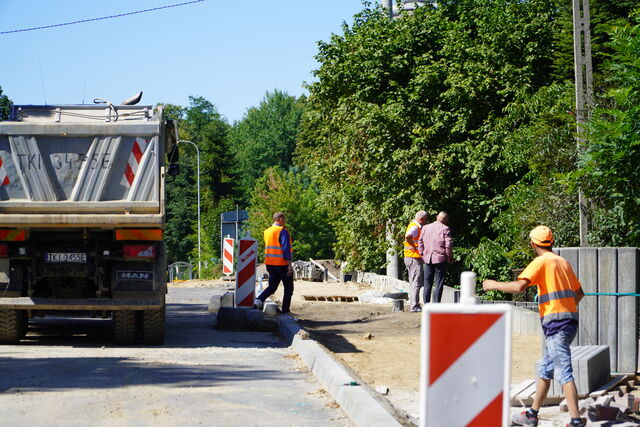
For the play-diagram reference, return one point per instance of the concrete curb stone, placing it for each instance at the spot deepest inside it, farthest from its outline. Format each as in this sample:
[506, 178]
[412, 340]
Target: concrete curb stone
[356, 402]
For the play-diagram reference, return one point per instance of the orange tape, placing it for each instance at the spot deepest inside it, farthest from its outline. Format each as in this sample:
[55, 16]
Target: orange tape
[139, 234]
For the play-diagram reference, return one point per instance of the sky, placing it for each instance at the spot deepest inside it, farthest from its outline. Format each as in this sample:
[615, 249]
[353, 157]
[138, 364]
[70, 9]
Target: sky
[229, 52]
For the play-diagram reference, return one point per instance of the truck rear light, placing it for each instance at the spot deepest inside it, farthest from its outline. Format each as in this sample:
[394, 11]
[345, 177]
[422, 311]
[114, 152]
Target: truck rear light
[4, 251]
[139, 234]
[139, 251]
[10, 235]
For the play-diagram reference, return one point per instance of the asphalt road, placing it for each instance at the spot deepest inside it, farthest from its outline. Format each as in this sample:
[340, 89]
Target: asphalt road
[70, 373]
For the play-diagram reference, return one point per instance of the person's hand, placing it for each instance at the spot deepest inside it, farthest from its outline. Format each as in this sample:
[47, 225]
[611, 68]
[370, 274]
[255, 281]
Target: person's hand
[488, 284]
[290, 271]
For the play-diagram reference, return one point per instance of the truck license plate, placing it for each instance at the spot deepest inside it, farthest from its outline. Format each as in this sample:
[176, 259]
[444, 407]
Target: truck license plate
[77, 257]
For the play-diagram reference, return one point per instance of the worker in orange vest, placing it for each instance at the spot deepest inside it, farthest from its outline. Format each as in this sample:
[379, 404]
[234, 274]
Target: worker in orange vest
[412, 259]
[277, 257]
[559, 293]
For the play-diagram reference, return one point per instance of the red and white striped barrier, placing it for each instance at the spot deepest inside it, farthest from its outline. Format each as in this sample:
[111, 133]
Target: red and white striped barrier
[466, 361]
[139, 145]
[246, 272]
[4, 178]
[227, 255]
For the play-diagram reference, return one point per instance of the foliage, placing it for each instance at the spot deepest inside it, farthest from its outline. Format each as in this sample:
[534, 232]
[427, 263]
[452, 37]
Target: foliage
[5, 106]
[610, 163]
[201, 124]
[265, 137]
[307, 219]
[403, 113]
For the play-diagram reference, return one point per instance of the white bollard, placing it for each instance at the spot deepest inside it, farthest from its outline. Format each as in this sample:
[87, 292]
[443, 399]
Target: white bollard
[468, 288]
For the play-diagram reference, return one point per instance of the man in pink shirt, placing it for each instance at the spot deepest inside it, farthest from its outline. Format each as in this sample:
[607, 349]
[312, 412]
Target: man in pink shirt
[435, 246]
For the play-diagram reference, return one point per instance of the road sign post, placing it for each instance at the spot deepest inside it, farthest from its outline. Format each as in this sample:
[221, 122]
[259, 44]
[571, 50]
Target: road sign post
[465, 362]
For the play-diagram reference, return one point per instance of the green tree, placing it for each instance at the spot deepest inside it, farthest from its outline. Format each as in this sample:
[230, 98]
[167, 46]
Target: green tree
[265, 137]
[5, 106]
[403, 113]
[307, 219]
[610, 163]
[201, 124]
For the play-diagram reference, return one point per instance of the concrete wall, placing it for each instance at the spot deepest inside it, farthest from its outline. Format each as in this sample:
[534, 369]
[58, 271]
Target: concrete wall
[608, 319]
[523, 321]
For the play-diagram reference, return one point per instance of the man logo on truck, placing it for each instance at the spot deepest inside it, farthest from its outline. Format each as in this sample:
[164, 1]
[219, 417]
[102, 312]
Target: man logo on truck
[134, 275]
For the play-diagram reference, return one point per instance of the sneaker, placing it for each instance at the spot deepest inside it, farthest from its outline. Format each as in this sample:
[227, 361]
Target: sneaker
[580, 424]
[258, 304]
[416, 310]
[524, 419]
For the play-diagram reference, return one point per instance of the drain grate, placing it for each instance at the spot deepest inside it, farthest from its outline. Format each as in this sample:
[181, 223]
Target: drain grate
[331, 298]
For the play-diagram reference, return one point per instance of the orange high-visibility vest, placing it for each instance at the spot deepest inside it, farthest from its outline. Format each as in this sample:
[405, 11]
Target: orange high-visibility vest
[557, 287]
[273, 252]
[409, 252]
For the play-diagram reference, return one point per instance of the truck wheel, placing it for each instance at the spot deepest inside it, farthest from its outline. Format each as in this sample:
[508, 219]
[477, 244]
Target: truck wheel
[153, 327]
[13, 326]
[124, 327]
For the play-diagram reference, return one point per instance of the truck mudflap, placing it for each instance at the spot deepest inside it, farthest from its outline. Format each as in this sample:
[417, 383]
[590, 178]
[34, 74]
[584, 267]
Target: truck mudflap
[91, 304]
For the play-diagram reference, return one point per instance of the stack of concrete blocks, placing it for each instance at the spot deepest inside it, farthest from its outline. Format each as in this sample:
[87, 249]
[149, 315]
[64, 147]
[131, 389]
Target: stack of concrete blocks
[608, 319]
[307, 270]
[591, 369]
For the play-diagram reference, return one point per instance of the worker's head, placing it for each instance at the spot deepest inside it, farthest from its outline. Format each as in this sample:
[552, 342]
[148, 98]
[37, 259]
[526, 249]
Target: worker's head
[421, 217]
[443, 217]
[542, 236]
[279, 218]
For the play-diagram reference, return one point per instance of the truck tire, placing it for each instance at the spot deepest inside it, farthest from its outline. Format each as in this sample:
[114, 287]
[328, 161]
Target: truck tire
[13, 326]
[153, 327]
[124, 327]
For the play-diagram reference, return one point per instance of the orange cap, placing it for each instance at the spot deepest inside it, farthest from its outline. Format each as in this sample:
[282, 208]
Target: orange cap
[541, 236]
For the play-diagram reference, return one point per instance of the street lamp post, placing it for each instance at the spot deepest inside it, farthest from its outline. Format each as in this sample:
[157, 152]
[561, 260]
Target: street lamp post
[198, 180]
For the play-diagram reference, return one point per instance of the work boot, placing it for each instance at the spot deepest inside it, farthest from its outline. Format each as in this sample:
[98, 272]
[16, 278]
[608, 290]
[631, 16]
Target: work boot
[524, 419]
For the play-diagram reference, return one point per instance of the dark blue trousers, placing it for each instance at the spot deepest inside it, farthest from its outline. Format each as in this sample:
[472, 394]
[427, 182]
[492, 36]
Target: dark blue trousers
[277, 274]
[430, 271]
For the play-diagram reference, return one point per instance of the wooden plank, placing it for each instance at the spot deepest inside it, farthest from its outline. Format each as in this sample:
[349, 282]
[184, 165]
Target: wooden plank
[604, 388]
[519, 388]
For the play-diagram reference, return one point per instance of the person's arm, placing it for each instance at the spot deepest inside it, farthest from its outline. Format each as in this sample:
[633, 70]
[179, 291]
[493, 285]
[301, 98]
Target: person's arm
[579, 295]
[515, 287]
[285, 243]
[421, 242]
[448, 245]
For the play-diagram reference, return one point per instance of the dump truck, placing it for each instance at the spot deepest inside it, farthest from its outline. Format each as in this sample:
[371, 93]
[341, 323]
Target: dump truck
[82, 217]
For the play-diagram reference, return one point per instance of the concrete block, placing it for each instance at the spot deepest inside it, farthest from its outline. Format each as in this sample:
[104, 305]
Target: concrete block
[628, 282]
[233, 318]
[227, 299]
[591, 369]
[563, 406]
[588, 276]
[604, 400]
[607, 413]
[624, 402]
[636, 404]
[214, 303]
[607, 306]
[270, 308]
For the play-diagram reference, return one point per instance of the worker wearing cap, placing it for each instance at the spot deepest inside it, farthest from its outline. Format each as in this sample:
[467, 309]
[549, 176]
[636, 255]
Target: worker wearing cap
[277, 257]
[412, 259]
[559, 293]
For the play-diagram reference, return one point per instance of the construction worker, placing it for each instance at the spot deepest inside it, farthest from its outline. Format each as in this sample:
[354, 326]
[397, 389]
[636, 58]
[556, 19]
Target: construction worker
[277, 257]
[559, 293]
[412, 259]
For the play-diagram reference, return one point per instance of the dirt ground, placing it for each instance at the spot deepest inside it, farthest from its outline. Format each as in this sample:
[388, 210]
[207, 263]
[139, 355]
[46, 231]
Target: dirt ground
[381, 346]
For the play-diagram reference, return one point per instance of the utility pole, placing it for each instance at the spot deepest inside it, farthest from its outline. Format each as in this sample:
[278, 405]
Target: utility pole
[584, 92]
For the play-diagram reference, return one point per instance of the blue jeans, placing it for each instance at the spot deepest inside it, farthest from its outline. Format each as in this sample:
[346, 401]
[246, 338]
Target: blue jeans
[430, 270]
[557, 355]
